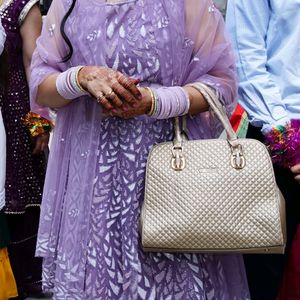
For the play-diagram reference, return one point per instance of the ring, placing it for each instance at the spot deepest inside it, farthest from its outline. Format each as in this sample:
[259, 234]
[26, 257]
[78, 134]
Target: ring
[100, 97]
[111, 92]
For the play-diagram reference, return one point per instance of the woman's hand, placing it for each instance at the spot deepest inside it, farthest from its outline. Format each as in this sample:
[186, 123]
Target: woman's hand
[111, 88]
[296, 171]
[41, 143]
[139, 108]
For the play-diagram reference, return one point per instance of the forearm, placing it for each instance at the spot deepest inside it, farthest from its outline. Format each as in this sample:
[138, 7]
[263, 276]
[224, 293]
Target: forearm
[170, 102]
[30, 30]
[198, 104]
[48, 95]
[26, 62]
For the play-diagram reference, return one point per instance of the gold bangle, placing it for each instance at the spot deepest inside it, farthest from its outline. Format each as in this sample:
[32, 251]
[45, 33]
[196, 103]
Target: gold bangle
[150, 113]
[77, 80]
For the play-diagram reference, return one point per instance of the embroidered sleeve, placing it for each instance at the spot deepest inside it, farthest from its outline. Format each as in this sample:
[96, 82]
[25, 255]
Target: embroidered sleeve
[26, 10]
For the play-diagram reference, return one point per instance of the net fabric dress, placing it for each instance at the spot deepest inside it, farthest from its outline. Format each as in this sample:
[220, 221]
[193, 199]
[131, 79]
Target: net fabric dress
[94, 188]
[24, 172]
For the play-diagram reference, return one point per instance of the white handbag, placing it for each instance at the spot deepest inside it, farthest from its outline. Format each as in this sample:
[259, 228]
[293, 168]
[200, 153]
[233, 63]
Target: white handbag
[212, 196]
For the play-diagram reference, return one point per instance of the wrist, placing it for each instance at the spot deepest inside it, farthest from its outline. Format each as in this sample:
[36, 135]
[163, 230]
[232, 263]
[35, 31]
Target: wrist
[148, 105]
[79, 85]
[82, 75]
[266, 128]
[170, 102]
[148, 97]
[68, 84]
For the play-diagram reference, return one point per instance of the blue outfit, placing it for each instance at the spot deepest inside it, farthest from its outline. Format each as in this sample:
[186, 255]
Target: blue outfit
[266, 37]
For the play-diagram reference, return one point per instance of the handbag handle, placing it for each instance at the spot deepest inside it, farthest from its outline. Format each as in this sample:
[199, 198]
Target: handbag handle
[237, 157]
[217, 108]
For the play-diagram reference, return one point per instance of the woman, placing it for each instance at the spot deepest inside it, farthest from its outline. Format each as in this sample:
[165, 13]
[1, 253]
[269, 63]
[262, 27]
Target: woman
[21, 20]
[88, 233]
[266, 37]
[8, 287]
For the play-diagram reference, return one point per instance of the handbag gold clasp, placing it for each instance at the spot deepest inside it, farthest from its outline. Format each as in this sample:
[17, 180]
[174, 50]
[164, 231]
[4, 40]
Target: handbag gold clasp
[237, 160]
[178, 161]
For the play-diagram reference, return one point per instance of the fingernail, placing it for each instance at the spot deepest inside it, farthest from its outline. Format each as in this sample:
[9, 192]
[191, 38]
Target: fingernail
[135, 105]
[115, 111]
[140, 96]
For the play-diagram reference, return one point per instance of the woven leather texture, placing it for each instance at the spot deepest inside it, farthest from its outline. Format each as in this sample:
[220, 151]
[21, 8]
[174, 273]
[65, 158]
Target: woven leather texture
[210, 206]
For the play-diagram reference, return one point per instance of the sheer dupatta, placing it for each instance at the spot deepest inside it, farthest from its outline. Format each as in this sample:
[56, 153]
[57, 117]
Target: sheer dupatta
[198, 52]
[211, 61]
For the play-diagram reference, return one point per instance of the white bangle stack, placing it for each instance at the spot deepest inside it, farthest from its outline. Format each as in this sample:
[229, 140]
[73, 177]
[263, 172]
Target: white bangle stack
[68, 86]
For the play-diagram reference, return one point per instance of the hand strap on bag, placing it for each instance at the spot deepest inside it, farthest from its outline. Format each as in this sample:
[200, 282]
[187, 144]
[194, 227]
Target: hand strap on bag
[237, 158]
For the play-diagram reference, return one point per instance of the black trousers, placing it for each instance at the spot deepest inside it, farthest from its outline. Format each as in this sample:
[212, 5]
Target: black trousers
[265, 271]
[26, 267]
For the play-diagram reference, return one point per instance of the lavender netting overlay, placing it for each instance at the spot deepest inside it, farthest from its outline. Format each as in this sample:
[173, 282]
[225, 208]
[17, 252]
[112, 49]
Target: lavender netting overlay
[95, 180]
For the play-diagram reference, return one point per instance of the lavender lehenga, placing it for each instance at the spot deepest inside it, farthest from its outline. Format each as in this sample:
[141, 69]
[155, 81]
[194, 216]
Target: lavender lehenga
[94, 188]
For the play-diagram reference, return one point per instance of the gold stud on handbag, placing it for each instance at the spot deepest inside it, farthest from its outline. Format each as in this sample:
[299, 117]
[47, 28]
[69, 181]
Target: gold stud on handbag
[212, 196]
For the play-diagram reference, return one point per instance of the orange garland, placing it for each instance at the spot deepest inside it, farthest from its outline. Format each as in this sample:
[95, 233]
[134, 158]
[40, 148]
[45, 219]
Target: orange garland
[36, 124]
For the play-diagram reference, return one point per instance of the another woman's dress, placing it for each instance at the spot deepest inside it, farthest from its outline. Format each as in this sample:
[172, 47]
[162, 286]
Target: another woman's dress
[24, 172]
[7, 282]
[8, 287]
[94, 187]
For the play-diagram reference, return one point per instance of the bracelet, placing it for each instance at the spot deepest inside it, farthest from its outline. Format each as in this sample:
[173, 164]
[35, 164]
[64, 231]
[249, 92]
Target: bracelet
[155, 110]
[170, 102]
[37, 125]
[77, 79]
[283, 143]
[152, 109]
[68, 86]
